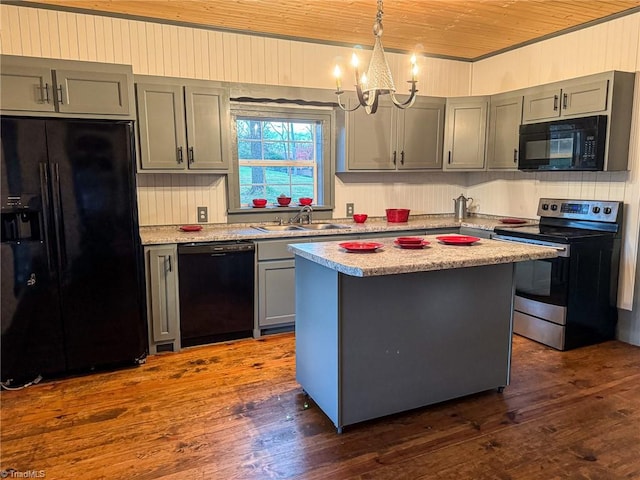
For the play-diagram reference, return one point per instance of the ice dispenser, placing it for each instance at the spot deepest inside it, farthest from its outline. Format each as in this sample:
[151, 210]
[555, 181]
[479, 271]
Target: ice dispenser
[20, 222]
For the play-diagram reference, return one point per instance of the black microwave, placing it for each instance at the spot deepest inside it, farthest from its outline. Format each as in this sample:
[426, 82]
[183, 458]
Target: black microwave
[572, 144]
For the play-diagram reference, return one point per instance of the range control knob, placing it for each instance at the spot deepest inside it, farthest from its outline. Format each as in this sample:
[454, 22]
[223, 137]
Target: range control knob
[607, 210]
[554, 207]
[596, 209]
[545, 206]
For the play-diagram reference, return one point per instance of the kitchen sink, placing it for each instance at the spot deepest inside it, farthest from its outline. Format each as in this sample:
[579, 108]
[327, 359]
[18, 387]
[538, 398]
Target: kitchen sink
[324, 226]
[277, 228]
[293, 228]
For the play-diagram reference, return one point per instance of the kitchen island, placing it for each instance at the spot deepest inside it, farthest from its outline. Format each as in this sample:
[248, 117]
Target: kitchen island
[387, 331]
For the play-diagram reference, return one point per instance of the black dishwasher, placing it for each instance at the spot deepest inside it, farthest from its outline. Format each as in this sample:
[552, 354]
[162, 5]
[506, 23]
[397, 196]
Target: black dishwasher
[216, 284]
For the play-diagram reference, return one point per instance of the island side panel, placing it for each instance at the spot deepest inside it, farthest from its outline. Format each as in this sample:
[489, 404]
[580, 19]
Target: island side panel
[317, 353]
[416, 339]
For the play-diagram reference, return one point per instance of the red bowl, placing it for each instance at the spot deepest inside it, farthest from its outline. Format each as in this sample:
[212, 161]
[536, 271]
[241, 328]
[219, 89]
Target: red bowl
[284, 201]
[409, 240]
[397, 215]
[259, 202]
[360, 217]
[305, 201]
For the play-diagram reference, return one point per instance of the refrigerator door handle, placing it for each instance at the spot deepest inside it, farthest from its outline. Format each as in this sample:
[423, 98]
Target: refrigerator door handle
[46, 206]
[57, 217]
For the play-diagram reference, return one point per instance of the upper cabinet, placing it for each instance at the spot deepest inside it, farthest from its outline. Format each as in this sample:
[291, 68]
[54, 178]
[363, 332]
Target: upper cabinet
[465, 133]
[183, 127]
[40, 86]
[395, 139]
[569, 99]
[505, 115]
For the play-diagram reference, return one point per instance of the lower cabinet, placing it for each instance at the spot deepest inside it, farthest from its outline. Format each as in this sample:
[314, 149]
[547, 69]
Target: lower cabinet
[163, 313]
[276, 294]
[275, 298]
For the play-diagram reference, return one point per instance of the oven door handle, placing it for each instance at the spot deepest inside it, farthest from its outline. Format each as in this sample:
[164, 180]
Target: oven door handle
[563, 251]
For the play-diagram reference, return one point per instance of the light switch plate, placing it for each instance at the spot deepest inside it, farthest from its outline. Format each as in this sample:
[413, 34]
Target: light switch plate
[203, 217]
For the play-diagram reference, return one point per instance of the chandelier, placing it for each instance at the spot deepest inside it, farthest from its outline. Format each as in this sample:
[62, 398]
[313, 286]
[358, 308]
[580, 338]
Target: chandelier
[377, 80]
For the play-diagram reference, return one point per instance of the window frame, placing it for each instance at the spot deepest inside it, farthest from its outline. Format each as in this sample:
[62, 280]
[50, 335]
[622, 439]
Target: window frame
[325, 168]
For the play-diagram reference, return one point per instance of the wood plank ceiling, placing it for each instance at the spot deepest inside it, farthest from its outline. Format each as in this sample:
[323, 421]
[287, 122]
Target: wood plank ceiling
[457, 29]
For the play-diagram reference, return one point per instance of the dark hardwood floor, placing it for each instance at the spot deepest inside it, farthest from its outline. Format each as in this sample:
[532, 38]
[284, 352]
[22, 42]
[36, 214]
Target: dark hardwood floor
[235, 411]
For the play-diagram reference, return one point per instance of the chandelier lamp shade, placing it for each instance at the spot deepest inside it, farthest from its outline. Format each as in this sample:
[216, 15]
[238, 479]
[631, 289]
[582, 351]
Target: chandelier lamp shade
[377, 80]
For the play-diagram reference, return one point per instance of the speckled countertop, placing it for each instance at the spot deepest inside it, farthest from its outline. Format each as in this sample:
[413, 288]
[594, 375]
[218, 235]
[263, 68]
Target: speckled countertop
[391, 259]
[221, 232]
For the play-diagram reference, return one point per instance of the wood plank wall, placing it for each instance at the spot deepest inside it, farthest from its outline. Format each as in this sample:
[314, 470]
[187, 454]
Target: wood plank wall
[614, 45]
[155, 49]
[168, 50]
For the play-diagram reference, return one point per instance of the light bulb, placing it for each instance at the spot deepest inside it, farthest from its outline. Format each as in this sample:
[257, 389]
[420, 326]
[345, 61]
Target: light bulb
[354, 60]
[338, 74]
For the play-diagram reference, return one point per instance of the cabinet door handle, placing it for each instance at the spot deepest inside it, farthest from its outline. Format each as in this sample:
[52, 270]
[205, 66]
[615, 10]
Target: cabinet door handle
[180, 160]
[515, 155]
[190, 154]
[402, 157]
[44, 93]
[449, 161]
[555, 102]
[394, 157]
[60, 98]
[564, 101]
[169, 262]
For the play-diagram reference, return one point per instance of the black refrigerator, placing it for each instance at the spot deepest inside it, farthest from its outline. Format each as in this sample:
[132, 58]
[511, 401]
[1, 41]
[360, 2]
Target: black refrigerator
[72, 296]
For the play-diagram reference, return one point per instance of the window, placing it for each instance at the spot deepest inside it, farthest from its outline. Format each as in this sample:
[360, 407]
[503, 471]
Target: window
[280, 150]
[278, 157]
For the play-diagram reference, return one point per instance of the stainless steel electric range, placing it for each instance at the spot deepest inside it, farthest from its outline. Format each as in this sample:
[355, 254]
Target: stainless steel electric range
[569, 301]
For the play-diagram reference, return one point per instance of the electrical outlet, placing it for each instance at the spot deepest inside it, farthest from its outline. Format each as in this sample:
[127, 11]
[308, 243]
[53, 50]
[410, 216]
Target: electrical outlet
[349, 209]
[203, 217]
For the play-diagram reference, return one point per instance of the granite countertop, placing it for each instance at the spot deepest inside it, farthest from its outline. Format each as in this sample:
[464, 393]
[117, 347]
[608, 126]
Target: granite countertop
[391, 259]
[223, 232]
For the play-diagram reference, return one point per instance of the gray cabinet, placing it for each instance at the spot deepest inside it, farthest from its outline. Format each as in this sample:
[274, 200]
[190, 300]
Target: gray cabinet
[395, 139]
[276, 293]
[569, 99]
[35, 86]
[465, 133]
[371, 139]
[275, 298]
[163, 313]
[505, 115]
[275, 287]
[183, 128]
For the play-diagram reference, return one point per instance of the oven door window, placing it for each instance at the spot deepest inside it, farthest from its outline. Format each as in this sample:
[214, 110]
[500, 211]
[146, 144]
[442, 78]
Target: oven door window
[543, 280]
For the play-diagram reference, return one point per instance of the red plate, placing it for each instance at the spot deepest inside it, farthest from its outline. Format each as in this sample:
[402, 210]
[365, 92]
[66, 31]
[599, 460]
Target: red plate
[409, 240]
[412, 246]
[457, 239]
[191, 228]
[512, 221]
[360, 246]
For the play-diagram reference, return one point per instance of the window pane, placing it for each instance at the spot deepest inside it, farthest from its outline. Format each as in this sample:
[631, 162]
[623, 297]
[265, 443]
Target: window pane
[301, 191]
[302, 151]
[302, 132]
[277, 175]
[249, 129]
[274, 151]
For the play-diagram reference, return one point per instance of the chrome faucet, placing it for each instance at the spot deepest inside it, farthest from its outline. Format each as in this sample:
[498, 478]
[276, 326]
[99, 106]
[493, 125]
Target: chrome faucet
[305, 213]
